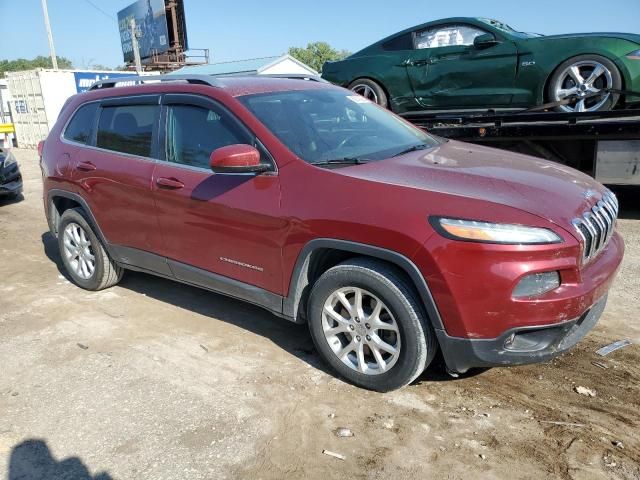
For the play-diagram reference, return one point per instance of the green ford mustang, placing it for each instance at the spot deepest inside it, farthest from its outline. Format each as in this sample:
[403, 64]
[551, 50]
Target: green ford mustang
[476, 63]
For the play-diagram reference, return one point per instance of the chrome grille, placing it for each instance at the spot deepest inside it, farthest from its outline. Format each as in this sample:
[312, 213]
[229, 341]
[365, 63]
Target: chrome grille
[596, 226]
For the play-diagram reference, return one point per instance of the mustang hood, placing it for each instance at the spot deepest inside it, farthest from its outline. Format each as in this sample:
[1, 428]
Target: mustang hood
[546, 189]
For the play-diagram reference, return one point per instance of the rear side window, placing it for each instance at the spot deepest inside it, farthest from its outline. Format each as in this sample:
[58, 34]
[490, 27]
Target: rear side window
[402, 42]
[81, 125]
[127, 128]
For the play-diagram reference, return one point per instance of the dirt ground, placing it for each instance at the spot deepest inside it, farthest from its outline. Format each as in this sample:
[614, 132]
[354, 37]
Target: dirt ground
[156, 380]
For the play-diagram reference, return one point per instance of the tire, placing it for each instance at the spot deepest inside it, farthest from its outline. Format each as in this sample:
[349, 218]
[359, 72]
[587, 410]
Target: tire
[371, 90]
[105, 272]
[415, 340]
[562, 82]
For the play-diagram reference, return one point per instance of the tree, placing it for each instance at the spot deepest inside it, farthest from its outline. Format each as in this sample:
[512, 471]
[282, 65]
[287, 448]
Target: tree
[38, 62]
[317, 53]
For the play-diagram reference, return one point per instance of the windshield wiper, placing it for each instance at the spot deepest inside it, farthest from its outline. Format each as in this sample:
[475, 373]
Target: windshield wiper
[414, 148]
[342, 161]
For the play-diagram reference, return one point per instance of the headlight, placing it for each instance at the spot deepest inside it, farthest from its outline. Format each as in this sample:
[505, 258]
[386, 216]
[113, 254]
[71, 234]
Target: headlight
[485, 232]
[633, 55]
[9, 160]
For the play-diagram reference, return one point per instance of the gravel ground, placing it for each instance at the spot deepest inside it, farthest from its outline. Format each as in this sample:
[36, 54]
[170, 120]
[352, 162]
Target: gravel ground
[156, 380]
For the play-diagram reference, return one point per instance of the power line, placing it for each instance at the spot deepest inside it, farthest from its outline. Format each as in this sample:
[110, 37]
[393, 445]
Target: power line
[106, 14]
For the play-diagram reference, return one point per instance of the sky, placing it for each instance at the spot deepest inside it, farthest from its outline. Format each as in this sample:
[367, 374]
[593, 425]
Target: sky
[86, 31]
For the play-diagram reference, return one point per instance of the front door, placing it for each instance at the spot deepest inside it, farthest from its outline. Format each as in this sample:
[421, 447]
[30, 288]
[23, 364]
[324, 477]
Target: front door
[447, 71]
[225, 224]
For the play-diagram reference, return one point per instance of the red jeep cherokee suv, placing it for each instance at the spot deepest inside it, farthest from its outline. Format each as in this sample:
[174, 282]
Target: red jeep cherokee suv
[323, 208]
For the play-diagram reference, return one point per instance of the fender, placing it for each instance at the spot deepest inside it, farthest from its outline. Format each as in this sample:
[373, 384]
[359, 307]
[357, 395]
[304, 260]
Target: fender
[300, 277]
[54, 192]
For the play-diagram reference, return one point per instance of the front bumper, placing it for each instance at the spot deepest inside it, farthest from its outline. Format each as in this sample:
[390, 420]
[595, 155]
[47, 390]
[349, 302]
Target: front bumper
[11, 187]
[518, 346]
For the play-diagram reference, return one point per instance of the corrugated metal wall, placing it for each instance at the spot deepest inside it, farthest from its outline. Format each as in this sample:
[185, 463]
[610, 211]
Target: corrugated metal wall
[27, 107]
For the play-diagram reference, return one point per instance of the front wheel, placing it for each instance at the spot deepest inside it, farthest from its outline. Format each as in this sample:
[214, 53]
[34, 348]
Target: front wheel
[581, 77]
[368, 325]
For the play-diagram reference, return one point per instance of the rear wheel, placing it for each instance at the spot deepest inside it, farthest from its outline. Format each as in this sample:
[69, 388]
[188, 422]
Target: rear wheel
[371, 90]
[368, 325]
[84, 257]
[583, 76]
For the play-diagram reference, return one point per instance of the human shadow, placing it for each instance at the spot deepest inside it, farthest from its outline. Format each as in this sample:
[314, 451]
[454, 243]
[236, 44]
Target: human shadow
[32, 460]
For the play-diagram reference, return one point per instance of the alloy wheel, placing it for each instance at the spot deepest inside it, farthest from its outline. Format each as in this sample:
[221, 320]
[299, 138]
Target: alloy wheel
[361, 330]
[582, 79]
[78, 251]
[366, 91]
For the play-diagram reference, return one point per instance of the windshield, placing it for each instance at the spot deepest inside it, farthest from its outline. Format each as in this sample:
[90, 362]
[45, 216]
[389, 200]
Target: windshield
[326, 125]
[506, 28]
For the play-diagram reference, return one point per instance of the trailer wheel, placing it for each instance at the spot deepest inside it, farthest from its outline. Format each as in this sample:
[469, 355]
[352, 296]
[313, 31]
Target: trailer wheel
[370, 90]
[583, 75]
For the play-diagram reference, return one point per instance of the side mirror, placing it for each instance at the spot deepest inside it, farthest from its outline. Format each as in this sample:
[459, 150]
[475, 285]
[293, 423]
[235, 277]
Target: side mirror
[485, 40]
[237, 158]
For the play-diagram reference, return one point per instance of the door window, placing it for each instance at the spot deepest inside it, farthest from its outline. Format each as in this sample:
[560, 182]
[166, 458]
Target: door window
[127, 128]
[194, 132]
[79, 128]
[451, 35]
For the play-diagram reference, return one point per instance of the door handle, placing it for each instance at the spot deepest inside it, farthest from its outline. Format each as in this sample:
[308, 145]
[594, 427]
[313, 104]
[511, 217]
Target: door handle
[86, 166]
[170, 183]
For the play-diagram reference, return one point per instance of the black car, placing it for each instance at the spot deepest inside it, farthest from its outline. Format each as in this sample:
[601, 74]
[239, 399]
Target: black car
[10, 177]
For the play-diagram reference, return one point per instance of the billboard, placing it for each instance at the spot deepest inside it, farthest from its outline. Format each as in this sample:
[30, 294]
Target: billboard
[151, 22]
[84, 80]
[181, 22]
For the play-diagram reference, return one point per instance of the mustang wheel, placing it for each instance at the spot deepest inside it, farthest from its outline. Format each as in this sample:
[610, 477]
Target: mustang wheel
[370, 90]
[583, 76]
[368, 325]
[84, 257]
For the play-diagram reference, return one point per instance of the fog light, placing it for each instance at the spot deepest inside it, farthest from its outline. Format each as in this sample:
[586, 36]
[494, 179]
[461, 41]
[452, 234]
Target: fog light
[537, 284]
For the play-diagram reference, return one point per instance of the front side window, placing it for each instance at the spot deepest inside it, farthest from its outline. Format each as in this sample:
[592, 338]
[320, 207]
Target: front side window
[449, 36]
[334, 124]
[79, 128]
[194, 132]
[127, 128]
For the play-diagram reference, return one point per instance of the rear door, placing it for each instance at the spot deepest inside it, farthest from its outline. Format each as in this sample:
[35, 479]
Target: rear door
[223, 223]
[113, 171]
[447, 71]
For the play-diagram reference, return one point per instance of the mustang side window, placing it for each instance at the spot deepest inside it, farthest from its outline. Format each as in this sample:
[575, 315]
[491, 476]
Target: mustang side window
[452, 35]
[194, 132]
[127, 128]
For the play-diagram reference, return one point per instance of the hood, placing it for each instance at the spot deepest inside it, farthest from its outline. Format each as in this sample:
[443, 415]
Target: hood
[549, 190]
[631, 37]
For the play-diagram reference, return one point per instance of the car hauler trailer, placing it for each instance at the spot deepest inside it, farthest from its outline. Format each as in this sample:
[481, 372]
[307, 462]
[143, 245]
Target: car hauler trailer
[605, 145]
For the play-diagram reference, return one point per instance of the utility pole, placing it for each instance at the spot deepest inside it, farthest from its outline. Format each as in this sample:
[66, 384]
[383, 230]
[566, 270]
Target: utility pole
[134, 45]
[52, 50]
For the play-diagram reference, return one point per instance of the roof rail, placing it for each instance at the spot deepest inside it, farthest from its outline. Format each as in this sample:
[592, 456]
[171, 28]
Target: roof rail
[195, 79]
